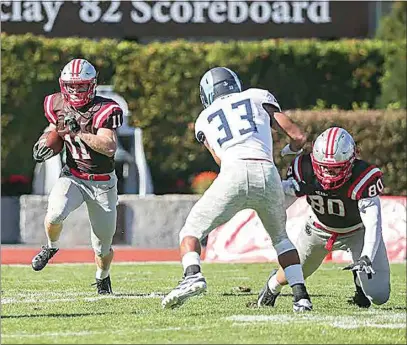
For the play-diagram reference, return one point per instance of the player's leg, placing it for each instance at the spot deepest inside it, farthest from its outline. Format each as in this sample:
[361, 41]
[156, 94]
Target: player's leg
[220, 202]
[310, 245]
[102, 215]
[374, 288]
[64, 198]
[270, 209]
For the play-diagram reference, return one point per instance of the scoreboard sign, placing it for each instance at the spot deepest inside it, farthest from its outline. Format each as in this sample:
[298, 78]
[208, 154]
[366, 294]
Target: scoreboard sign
[177, 19]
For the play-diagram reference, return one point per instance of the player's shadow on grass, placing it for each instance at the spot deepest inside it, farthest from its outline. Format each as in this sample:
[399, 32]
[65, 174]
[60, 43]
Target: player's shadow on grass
[394, 308]
[51, 315]
[237, 294]
[141, 295]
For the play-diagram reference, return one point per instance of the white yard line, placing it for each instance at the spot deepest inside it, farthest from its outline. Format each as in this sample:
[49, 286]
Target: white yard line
[377, 319]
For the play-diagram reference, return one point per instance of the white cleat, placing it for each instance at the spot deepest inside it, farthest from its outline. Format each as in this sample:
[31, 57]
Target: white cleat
[190, 286]
[302, 305]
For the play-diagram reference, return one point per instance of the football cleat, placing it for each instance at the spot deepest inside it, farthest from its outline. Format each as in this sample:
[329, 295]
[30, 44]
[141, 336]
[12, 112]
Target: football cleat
[302, 305]
[104, 286]
[266, 297]
[41, 259]
[301, 301]
[192, 285]
[360, 299]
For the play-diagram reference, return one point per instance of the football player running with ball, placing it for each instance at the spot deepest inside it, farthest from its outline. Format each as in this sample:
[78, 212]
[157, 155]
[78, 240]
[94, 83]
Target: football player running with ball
[87, 123]
[235, 126]
[345, 214]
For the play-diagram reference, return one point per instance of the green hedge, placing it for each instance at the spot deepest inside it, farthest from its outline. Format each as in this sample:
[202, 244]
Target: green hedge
[160, 83]
[394, 81]
[393, 27]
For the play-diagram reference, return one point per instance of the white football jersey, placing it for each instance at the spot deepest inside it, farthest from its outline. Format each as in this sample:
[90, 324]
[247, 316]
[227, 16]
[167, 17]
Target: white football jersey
[236, 126]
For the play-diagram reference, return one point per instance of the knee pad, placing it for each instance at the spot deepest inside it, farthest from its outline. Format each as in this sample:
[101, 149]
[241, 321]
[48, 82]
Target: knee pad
[284, 246]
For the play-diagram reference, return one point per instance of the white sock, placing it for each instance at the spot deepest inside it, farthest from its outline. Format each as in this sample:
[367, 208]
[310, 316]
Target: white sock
[191, 258]
[53, 244]
[294, 275]
[101, 274]
[274, 285]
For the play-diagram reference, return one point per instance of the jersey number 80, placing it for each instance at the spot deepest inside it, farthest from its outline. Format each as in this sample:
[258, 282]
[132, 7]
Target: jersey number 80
[332, 206]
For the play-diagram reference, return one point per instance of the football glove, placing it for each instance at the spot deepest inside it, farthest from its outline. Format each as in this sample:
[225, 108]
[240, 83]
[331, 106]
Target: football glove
[287, 151]
[362, 265]
[41, 152]
[301, 188]
[71, 124]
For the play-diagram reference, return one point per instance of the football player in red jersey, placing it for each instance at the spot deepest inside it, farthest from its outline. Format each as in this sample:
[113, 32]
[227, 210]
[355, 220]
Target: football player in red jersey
[345, 214]
[87, 123]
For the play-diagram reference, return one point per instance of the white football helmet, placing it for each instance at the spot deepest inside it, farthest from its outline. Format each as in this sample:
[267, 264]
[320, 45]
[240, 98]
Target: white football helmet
[333, 154]
[78, 82]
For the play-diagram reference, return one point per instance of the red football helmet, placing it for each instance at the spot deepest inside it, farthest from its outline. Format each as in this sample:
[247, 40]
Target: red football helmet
[333, 154]
[78, 82]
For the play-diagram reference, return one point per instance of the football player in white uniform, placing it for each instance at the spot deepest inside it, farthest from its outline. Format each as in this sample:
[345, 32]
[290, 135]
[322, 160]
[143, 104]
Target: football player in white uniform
[345, 214]
[235, 126]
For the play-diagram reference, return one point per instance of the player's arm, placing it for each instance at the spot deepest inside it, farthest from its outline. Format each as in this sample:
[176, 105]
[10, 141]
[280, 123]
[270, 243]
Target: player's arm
[366, 190]
[367, 193]
[289, 187]
[282, 123]
[201, 138]
[215, 157]
[293, 185]
[40, 152]
[104, 141]
[370, 213]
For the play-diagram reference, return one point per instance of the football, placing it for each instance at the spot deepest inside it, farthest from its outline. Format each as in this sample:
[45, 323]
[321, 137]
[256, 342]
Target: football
[52, 140]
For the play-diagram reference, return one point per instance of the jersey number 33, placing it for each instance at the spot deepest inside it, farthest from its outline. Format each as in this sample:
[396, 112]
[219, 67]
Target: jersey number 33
[247, 116]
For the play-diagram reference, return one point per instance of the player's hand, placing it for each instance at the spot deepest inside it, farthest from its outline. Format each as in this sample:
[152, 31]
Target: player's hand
[362, 265]
[287, 151]
[41, 153]
[71, 124]
[301, 188]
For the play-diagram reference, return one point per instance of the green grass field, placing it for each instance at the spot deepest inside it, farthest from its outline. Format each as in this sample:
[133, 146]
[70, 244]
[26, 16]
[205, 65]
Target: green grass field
[59, 306]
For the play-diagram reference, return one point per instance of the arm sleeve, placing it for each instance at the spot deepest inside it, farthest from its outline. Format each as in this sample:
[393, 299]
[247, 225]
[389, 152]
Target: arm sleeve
[268, 98]
[49, 109]
[114, 119]
[370, 213]
[110, 116]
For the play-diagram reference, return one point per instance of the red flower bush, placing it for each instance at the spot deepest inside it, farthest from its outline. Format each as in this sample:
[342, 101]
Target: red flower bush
[202, 181]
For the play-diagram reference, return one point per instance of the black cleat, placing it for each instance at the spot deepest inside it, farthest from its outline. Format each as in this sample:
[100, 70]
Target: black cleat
[266, 297]
[41, 259]
[104, 286]
[360, 299]
[301, 299]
